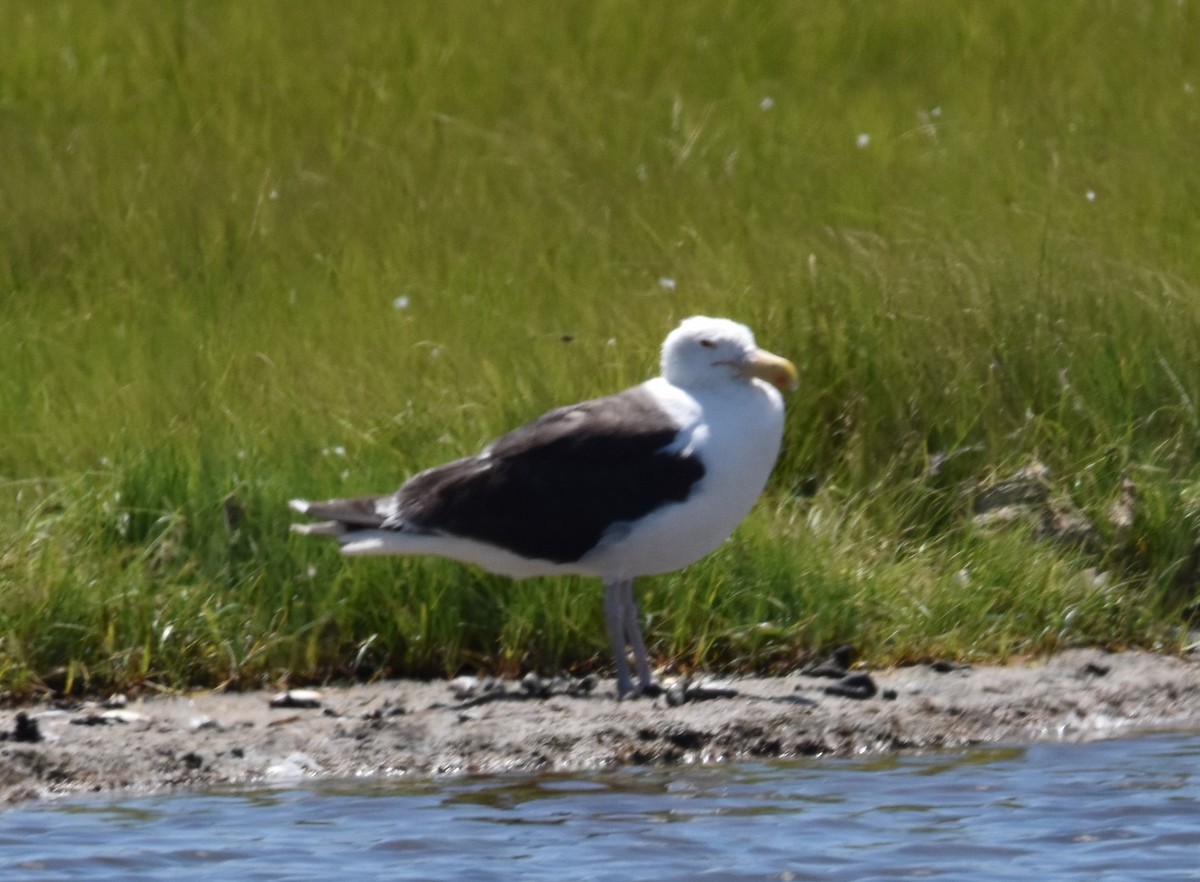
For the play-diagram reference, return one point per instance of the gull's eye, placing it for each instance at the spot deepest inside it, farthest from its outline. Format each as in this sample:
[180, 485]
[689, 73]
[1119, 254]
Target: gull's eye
[708, 344]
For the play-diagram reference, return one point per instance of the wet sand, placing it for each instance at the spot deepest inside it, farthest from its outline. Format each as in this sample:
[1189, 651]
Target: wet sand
[418, 729]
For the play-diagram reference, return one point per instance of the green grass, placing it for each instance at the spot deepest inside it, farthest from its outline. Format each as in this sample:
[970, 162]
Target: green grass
[973, 226]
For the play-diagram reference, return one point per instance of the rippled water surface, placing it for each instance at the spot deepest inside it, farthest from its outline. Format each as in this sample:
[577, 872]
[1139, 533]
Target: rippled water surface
[1114, 810]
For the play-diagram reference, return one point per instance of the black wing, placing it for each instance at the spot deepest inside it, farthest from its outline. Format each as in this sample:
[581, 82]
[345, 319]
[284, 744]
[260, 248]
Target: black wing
[550, 490]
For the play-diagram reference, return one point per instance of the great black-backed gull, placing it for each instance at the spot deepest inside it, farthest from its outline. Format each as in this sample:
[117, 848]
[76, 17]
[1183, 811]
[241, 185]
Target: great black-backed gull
[645, 481]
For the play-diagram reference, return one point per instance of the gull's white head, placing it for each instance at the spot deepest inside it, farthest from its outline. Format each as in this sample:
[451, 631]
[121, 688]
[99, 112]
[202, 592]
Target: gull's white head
[705, 351]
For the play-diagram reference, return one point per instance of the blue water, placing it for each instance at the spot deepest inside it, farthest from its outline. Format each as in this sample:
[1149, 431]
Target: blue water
[1113, 810]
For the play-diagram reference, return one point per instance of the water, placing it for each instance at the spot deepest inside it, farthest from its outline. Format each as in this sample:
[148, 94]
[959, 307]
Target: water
[1114, 810]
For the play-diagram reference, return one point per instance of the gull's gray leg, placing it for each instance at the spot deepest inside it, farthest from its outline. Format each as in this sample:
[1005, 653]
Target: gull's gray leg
[617, 619]
[633, 633]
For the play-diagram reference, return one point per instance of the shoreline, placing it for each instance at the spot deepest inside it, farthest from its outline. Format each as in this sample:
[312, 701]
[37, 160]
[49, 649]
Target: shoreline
[415, 730]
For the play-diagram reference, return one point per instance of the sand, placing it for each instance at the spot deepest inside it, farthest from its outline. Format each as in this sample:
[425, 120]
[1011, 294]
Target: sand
[413, 729]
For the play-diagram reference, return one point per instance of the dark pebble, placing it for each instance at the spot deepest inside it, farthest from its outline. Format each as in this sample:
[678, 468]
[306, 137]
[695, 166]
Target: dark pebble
[297, 699]
[945, 667]
[26, 729]
[584, 686]
[683, 691]
[90, 720]
[535, 686]
[385, 710]
[836, 666]
[859, 686]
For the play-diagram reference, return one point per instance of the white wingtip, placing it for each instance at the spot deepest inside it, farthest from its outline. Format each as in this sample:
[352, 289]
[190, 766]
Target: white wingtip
[364, 547]
[321, 528]
[299, 505]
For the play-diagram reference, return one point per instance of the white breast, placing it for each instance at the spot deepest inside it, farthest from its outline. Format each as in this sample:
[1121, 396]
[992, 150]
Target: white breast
[736, 431]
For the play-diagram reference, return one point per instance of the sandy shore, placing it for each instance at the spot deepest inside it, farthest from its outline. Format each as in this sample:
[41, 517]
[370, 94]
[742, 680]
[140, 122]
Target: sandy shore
[410, 728]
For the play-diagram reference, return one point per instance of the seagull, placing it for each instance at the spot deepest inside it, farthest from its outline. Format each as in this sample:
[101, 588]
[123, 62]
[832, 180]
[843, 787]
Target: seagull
[642, 482]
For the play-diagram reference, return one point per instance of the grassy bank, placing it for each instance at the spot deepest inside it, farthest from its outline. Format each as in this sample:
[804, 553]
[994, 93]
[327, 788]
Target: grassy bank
[256, 251]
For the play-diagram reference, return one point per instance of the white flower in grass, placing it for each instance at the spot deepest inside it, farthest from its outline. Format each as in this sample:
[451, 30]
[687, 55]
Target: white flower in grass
[400, 302]
[666, 283]
[1090, 195]
[767, 103]
[862, 141]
